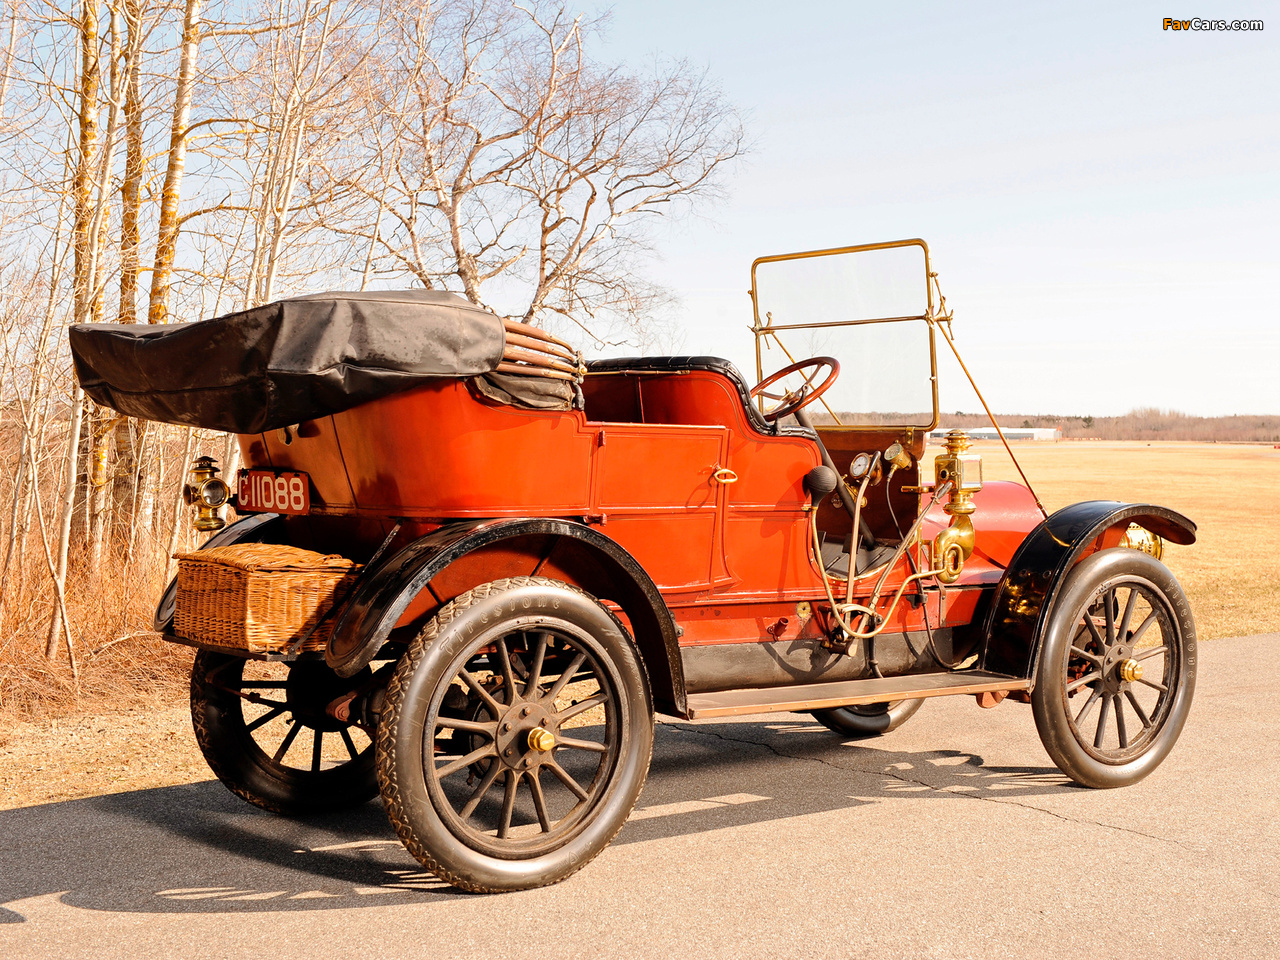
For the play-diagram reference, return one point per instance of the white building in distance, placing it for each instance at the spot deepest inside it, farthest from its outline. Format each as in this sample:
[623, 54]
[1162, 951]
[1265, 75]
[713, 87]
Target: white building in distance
[1010, 433]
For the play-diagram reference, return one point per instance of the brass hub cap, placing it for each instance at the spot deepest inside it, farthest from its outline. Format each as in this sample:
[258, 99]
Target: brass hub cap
[541, 740]
[1119, 668]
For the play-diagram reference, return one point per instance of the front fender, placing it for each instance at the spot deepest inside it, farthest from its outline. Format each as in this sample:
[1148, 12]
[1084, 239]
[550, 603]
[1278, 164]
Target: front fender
[385, 593]
[1025, 597]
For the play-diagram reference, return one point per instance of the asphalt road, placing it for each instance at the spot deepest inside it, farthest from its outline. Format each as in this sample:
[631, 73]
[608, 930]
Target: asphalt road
[761, 837]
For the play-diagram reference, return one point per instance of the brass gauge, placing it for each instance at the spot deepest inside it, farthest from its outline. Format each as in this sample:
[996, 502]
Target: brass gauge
[897, 456]
[861, 464]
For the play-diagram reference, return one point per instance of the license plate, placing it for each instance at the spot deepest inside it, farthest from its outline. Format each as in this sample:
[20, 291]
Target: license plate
[262, 491]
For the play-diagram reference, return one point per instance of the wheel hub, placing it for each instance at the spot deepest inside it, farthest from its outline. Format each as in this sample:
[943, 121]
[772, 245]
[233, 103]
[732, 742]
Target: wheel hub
[541, 740]
[309, 690]
[1118, 669]
[526, 735]
[1130, 670]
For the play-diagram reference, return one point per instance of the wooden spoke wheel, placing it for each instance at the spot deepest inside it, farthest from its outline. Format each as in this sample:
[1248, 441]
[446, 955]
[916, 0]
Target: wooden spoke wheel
[867, 719]
[1117, 669]
[516, 736]
[264, 731]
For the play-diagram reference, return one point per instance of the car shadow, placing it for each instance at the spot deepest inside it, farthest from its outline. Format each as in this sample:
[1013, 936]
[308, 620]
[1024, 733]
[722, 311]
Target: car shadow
[196, 848]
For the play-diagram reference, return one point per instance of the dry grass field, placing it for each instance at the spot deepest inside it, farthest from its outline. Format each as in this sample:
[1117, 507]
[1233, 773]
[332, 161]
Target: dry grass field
[1231, 491]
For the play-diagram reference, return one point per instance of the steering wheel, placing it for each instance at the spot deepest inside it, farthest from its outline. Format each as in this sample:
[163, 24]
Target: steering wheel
[793, 400]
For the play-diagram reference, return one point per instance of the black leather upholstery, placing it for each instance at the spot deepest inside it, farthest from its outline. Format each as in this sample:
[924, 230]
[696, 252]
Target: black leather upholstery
[718, 365]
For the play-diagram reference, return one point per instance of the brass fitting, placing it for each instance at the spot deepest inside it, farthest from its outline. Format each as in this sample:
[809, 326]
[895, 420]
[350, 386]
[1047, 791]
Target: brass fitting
[208, 492]
[1140, 538]
[1130, 670]
[954, 545]
[541, 740]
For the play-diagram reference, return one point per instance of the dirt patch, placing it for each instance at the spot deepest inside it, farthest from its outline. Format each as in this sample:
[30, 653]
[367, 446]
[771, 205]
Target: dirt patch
[89, 755]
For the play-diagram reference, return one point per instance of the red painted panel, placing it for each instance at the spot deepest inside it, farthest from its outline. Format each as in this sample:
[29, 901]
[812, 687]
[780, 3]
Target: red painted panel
[658, 466]
[1006, 513]
[313, 450]
[675, 549]
[438, 451]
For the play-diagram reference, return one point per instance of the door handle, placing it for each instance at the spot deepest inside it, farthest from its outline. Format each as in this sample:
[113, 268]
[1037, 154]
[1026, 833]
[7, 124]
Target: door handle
[724, 475]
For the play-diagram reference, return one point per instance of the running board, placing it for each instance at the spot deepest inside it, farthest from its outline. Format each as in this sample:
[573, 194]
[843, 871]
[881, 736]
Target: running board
[820, 696]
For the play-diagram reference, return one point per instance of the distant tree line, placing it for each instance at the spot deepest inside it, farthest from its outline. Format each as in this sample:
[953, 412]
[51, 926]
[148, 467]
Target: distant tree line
[1148, 423]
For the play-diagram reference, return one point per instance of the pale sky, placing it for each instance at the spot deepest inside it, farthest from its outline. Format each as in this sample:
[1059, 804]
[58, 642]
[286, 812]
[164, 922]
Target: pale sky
[1100, 196]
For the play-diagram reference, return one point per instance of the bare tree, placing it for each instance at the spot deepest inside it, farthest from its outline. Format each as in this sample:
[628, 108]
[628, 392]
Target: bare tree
[504, 162]
[244, 151]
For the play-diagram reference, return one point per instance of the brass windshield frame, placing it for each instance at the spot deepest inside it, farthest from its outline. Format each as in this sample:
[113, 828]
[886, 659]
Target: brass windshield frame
[771, 329]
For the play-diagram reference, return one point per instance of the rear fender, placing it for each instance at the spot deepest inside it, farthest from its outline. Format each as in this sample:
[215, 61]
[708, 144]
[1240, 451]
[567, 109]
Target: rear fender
[603, 568]
[258, 528]
[1025, 598]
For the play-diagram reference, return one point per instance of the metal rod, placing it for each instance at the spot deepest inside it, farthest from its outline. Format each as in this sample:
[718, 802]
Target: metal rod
[535, 372]
[525, 330]
[541, 346]
[515, 354]
[857, 531]
[990, 416]
[837, 323]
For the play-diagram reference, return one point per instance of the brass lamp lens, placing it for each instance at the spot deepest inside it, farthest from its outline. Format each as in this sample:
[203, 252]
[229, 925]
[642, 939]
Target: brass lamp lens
[214, 493]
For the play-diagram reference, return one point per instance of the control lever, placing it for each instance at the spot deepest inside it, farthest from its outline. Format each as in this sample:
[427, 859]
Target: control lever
[842, 489]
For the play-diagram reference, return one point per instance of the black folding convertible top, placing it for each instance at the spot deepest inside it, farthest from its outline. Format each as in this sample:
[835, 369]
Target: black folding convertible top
[289, 361]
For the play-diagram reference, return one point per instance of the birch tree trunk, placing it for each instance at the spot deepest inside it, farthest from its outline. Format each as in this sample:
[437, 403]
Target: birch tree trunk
[56, 625]
[167, 239]
[87, 110]
[131, 188]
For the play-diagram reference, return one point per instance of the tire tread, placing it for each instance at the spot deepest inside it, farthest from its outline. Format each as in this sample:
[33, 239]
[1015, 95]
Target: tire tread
[387, 777]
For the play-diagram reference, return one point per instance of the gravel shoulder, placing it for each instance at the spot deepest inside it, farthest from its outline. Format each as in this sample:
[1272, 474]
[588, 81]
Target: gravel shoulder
[91, 754]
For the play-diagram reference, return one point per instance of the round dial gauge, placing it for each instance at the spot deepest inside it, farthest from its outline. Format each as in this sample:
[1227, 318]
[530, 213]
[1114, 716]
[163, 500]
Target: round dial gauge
[861, 464]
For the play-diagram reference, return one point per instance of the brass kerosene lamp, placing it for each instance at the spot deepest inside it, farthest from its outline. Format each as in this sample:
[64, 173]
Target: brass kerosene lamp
[209, 493]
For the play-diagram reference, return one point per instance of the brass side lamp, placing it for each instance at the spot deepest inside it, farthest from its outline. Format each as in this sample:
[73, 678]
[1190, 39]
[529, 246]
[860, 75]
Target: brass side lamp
[209, 493]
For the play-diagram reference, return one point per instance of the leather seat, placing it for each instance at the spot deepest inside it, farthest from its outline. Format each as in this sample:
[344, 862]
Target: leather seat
[659, 365]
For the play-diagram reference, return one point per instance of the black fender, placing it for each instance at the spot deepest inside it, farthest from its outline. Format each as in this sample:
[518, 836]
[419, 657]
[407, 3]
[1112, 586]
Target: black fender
[383, 594]
[258, 528]
[1024, 600]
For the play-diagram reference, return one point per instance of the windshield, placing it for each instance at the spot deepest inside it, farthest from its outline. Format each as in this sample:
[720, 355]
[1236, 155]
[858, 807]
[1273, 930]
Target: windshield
[864, 306]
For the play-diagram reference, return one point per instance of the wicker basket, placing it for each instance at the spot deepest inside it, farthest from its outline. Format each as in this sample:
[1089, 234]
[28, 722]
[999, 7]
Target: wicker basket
[259, 597]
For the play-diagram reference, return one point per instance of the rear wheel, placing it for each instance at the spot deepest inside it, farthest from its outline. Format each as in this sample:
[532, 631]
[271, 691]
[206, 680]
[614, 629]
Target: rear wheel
[264, 731]
[1117, 669]
[867, 719]
[516, 736]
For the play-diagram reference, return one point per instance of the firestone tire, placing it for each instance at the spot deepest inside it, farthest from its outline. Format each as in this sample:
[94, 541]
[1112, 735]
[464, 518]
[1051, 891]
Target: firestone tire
[458, 705]
[867, 720]
[1089, 656]
[236, 748]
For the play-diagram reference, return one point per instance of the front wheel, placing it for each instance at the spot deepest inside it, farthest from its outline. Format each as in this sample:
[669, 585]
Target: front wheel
[1117, 669]
[868, 719]
[516, 736]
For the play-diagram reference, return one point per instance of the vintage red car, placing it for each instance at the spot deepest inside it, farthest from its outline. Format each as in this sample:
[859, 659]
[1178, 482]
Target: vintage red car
[550, 550]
